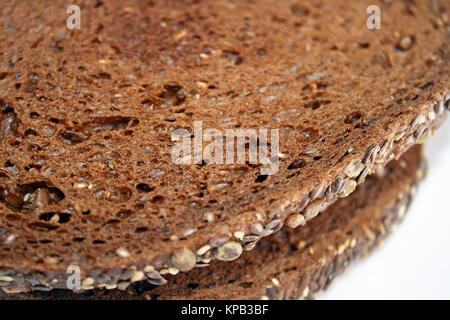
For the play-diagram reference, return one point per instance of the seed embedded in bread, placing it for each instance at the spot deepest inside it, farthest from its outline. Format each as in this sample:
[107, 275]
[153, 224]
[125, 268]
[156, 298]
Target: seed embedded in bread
[229, 251]
[184, 260]
[349, 187]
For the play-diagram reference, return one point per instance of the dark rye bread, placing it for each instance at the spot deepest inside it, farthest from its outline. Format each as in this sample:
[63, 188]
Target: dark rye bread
[86, 176]
[292, 263]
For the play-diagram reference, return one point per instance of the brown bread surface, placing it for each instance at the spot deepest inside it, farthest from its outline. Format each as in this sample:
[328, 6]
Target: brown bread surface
[293, 263]
[86, 175]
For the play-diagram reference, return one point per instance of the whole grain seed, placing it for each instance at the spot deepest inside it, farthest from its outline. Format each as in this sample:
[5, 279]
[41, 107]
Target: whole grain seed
[405, 43]
[341, 249]
[180, 35]
[26, 197]
[256, 228]
[381, 229]
[338, 184]
[367, 157]
[123, 285]
[189, 232]
[423, 137]
[163, 272]
[239, 235]
[274, 225]
[126, 274]
[311, 151]
[369, 233]
[399, 136]
[41, 198]
[122, 252]
[349, 187]
[384, 148]
[137, 276]
[148, 269]
[210, 217]
[431, 115]
[155, 278]
[250, 238]
[317, 192]
[418, 121]
[363, 175]
[202, 85]
[305, 292]
[6, 272]
[205, 260]
[402, 211]
[173, 271]
[249, 246]
[217, 242]
[303, 203]
[354, 169]
[203, 250]
[312, 211]
[228, 252]
[374, 154]
[111, 286]
[276, 282]
[202, 265]
[88, 282]
[6, 278]
[439, 107]
[295, 220]
[10, 238]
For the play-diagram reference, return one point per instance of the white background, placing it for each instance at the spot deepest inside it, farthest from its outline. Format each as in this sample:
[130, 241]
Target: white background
[414, 262]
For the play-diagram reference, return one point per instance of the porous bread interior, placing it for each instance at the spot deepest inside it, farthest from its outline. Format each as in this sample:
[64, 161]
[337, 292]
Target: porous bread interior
[87, 115]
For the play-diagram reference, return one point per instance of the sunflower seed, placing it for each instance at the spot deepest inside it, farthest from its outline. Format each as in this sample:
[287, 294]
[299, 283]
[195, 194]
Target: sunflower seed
[6, 278]
[256, 228]
[348, 188]
[295, 220]
[274, 225]
[228, 252]
[184, 260]
[155, 278]
[88, 282]
[398, 136]
[137, 276]
[203, 250]
[239, 235]
[312, 211]
[250, 238]
[354, 169]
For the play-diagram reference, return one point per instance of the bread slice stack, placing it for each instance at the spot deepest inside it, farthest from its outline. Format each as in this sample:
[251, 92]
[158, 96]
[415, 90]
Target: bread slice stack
[293, 263]
[90, 121]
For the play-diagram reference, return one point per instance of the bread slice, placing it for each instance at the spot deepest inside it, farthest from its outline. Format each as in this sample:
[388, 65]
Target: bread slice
[88, 116]
[292, 263]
